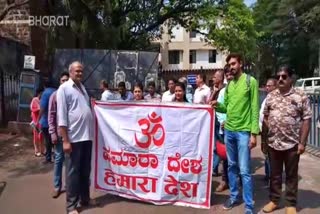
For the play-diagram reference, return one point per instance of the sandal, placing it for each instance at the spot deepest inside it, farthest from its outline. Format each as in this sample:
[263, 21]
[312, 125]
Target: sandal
[38, 154]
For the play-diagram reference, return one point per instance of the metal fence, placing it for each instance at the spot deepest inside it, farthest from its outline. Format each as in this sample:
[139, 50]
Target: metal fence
[112, 65]
[314, 137]
[9, 97]
[11, 64]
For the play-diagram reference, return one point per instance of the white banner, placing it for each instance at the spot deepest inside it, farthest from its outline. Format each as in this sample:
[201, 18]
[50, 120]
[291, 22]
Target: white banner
[159, 153]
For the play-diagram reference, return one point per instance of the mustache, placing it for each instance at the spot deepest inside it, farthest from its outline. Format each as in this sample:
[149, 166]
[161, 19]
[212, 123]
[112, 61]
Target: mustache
[281, 82]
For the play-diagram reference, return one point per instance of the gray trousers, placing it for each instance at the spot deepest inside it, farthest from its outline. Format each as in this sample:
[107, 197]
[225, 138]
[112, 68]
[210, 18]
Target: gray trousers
[78, 167]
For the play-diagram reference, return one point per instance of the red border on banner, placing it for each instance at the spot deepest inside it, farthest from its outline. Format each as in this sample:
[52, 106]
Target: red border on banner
[210, 110]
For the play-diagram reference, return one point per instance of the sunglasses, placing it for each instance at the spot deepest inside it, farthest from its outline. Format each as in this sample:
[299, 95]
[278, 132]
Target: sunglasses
[283, 77]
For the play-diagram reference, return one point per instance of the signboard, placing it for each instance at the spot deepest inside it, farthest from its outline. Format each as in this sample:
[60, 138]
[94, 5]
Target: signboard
[192, 79]
[29, 62]
[159, 153]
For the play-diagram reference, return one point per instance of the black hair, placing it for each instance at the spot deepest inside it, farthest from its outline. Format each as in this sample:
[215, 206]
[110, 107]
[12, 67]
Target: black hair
[226, 69]
[286, 69]
[173, 79]
[48, 83]
[38, 91]
[182, 85]
[203, 77]
[122, 84]
[104, 83]
[64, 74]
[152, 83]
[139, 85]
[234, 55]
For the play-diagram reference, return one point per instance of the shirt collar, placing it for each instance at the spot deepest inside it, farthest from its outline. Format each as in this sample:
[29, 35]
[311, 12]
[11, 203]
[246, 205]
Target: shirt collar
[292, 90]
[170, 92]
[71, 82]
[203, 87]
[124, 97]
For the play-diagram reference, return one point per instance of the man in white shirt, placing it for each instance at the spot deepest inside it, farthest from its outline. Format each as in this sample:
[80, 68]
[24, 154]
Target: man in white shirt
[152, 95]
[107, 94]
[168, 96]
[75, 122]
[202, 93]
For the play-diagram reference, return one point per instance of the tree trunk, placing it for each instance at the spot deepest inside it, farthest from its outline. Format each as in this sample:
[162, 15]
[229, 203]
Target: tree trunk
[38, 37]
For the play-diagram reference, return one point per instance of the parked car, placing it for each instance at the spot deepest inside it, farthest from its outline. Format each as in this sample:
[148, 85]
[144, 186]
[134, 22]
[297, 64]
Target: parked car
[309, 85]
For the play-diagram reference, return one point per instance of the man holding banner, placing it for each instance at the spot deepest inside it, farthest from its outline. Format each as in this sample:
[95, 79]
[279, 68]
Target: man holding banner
[75, 122]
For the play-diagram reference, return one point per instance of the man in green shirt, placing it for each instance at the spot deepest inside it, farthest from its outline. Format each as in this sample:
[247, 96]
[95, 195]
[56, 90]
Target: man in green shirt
[241, 104]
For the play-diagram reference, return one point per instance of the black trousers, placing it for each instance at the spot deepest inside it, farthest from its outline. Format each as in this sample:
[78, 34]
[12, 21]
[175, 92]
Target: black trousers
[290, 159]
[78, 167]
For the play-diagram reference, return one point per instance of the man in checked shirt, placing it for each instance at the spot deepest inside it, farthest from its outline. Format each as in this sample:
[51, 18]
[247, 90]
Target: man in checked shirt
[287, 115]
[56, 139]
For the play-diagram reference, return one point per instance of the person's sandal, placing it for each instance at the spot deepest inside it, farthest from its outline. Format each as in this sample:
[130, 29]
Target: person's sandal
[38, 154]
[222, 187]
[55, 193]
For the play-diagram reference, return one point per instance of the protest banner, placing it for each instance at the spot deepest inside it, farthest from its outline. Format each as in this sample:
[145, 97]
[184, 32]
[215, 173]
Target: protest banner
[159, 153]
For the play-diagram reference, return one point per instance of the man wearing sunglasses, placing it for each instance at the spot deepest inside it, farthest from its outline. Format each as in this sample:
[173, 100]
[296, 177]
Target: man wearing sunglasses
[241, 104]
[287, 114]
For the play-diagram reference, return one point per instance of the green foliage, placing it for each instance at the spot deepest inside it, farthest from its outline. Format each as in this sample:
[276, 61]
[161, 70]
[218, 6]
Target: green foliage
[288, 34]
[230, 27]
[126, 24]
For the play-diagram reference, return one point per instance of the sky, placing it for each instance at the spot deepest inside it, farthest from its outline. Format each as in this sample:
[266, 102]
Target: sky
[249, 2]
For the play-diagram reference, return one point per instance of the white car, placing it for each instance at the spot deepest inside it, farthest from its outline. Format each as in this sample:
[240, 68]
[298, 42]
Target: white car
[309, 85]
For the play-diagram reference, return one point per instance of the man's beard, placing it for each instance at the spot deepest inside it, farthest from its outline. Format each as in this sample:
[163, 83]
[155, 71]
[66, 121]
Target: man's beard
[234, 72]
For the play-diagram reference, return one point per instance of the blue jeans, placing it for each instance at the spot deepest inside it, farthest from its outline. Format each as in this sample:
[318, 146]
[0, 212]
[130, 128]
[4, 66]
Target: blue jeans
[216, 162]
[238, 153]
[58, 164]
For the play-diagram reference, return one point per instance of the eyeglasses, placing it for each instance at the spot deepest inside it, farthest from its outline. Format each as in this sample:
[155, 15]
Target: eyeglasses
[283, 77]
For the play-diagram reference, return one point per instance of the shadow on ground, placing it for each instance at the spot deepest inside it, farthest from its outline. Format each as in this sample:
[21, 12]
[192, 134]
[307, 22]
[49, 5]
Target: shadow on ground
[307, 199]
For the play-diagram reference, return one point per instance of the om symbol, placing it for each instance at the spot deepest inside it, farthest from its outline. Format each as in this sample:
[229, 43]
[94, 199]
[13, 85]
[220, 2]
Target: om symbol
[150, 132]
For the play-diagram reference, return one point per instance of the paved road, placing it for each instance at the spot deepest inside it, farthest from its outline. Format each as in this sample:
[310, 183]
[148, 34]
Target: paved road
[25, 188]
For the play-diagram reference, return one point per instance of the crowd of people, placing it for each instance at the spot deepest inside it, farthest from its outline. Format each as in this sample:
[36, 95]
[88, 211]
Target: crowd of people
[63, 118]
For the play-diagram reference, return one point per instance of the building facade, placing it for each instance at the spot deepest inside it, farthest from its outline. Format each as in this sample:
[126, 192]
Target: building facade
[183, 50]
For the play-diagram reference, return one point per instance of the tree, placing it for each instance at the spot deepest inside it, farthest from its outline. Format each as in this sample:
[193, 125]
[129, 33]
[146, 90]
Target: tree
[123, 24]
[230, 27]
[287, 35]
[11, 5]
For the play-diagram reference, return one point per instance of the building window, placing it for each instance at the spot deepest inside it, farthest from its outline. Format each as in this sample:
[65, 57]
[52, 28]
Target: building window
[212, 56]
[174, 57]
[193, 57]
[193, 34]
